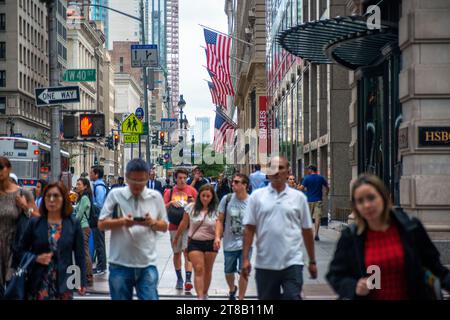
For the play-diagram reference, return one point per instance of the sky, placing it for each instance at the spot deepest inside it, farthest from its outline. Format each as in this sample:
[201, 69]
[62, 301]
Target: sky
[193, 58]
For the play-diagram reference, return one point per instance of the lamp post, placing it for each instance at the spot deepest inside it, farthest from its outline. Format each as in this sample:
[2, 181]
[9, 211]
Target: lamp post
[181, 105]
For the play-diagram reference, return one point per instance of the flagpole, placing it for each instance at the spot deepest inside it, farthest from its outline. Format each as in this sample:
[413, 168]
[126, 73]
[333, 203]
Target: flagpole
[231, 56]
[228, 35]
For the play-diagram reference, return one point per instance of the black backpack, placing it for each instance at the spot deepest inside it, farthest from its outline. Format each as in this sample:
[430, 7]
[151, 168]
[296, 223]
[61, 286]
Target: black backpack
[174, 214]
[227, 201]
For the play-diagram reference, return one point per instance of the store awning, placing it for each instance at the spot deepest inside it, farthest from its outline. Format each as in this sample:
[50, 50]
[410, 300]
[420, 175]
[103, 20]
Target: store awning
[344, 40]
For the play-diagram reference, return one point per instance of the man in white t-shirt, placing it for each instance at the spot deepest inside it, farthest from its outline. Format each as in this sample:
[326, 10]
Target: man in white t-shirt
[141, 214]
[279, 217]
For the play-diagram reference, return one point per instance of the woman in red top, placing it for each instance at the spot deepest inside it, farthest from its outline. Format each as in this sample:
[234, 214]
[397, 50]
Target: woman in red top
[386, 254]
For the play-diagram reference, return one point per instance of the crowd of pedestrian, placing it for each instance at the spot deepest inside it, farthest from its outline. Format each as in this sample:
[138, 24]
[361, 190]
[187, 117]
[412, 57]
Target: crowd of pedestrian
[270, 214]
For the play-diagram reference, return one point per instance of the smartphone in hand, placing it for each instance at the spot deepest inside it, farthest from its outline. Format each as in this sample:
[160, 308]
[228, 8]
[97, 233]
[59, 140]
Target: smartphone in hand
[139, 219]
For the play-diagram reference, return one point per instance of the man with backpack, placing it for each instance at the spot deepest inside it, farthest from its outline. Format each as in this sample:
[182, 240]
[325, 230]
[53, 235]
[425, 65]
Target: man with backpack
[176, 199]
[229, 225]
[99, 191]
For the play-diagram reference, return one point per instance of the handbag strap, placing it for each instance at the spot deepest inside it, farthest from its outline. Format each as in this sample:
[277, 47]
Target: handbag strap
[198, 227]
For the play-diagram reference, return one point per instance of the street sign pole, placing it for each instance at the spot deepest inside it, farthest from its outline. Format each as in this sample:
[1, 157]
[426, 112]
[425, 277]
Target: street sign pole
[146, 113]
[55, 158]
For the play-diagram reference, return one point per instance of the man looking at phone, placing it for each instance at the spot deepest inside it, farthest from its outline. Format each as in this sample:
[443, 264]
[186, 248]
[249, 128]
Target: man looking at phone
[140, 215]
[176, 199]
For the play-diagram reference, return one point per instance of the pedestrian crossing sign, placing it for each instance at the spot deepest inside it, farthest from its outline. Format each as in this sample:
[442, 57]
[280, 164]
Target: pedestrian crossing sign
[132, 124]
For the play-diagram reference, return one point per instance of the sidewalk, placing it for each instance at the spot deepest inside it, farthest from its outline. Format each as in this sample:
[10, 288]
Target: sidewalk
[313, 289]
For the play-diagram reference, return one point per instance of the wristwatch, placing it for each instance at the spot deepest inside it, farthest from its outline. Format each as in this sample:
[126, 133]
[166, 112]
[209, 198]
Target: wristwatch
[313, 262]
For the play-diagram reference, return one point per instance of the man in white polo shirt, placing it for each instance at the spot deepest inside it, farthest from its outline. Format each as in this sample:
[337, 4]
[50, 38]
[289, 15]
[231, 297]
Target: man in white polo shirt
[141, 213]
[279, 217]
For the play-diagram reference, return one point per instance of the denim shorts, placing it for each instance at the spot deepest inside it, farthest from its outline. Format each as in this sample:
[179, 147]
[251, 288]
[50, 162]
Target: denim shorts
[234, 261]
[200, 245]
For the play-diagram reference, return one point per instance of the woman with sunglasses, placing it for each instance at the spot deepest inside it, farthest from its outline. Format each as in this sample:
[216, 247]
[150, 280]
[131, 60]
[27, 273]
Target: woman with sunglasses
[389, 248]
[53, 238]
[16, 206]
[201, 218]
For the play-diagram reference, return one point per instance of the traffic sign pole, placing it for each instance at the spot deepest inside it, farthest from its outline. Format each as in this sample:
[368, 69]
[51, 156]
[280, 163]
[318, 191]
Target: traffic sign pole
[146, 113]
[55, 155]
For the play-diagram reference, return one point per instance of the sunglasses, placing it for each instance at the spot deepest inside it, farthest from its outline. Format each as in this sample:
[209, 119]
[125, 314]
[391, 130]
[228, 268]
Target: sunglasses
[368, 198]
[236, 181]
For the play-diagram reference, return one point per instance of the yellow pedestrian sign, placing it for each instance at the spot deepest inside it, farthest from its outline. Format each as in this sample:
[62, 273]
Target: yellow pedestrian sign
[132, 138]
[132, 124]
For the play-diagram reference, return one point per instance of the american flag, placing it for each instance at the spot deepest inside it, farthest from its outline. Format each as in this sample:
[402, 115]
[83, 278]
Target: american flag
[218, 46]
[218, 99]
[223, 132]
[221, 87]
[214, 65]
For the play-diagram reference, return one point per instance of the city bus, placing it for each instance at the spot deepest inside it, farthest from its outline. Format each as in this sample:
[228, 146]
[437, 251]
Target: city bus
[30, 159]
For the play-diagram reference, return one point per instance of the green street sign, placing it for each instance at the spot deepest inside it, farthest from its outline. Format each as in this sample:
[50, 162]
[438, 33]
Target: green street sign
[80, 75]
[145, 128]
[131, 138]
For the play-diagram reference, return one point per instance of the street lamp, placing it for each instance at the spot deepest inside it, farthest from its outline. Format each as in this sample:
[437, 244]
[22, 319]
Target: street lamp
[181, 105]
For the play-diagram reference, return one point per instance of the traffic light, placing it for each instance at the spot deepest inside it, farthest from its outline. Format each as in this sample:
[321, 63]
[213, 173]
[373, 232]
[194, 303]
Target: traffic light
[155, 138]
[92, 125]
[116, 139]
[162, 134]
[110, 143]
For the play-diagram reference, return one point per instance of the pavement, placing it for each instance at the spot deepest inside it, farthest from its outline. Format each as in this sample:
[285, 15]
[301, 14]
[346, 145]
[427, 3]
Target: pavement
[313, 289]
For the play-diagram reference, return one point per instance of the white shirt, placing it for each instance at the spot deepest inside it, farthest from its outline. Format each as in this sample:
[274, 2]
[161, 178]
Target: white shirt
[279, 219]
[134, 247]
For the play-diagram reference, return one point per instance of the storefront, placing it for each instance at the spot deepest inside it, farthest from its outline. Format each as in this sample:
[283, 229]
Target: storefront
[375, 57]
[399, 114]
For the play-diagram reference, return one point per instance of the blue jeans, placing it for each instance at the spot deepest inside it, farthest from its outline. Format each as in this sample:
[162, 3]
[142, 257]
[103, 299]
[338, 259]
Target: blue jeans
[122, 280]
[234, 261]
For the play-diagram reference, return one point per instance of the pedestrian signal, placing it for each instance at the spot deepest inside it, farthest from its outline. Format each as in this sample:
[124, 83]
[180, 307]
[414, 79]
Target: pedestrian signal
[92, 125]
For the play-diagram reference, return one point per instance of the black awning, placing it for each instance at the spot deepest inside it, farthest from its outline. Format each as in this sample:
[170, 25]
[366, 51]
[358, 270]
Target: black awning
[343, 40]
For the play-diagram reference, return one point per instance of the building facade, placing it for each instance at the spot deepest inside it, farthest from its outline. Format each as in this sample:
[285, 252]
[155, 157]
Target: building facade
[101, 14]
[202, 130]
[24, 65]
[85, 51]
[308, 102]
[399, 119]
[246, 21]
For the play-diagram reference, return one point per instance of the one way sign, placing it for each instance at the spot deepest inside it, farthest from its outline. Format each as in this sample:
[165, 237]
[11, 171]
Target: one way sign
[57, 95]
[144, 55]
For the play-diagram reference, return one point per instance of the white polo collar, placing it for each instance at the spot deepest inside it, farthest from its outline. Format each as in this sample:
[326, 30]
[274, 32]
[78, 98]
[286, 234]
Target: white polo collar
[273, 191]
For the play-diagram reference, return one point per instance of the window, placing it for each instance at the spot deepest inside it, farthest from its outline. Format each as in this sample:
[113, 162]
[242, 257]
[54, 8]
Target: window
[3, 51]
[2, 78]
[2, 21]
[2, 105]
